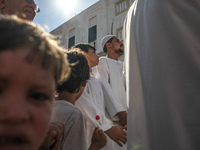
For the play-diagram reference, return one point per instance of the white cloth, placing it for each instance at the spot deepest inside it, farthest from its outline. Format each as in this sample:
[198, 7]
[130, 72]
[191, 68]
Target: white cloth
[93, 88]
[162, 60]
[109, 73]
[91, 111]
[75, 134]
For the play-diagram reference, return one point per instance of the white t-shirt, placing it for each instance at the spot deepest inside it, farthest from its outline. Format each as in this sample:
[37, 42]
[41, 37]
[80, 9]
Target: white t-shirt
[75, 134]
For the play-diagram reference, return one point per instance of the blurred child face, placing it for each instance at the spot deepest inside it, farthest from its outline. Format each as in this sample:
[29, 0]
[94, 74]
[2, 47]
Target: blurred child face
[92, 57]
[26, 95]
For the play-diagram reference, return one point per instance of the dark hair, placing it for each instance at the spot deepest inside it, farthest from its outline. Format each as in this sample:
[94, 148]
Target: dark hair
[15, 33]
[84, 47]
[80, 72]
[105, 48]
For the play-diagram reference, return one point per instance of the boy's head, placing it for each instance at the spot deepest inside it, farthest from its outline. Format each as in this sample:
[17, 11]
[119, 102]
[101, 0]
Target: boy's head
[16, 33]
[30, 66]
[90, 52]
[79, 72]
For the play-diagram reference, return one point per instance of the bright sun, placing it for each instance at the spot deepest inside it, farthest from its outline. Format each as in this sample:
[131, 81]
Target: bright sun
[67, 5]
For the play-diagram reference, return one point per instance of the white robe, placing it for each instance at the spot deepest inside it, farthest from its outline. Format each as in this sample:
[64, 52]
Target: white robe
[162, 60]
[94, 89]
[94, 94]
[91, 105]
[109, 74]
[74, 137]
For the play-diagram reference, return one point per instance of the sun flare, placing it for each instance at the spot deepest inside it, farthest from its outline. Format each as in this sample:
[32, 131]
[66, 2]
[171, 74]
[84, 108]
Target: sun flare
[67, 6]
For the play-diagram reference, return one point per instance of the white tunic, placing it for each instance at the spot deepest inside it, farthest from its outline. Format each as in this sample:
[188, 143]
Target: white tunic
[75, 134]
[109, 73]
[162, 60]
[90, 110]
[94, 89]
[94, 94]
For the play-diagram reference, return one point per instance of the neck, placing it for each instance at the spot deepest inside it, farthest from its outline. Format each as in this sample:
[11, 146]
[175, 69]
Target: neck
[70, 97]
[113, 56]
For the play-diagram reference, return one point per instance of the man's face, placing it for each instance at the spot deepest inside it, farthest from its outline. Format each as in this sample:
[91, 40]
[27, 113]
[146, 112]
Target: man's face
[20, 8]
[92, 57]
[117, 45]
[26, 97]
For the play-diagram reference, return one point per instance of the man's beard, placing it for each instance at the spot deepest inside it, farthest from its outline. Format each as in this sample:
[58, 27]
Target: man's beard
[119, 51]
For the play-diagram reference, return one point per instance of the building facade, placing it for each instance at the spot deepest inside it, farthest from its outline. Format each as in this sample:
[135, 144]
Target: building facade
[91, 25]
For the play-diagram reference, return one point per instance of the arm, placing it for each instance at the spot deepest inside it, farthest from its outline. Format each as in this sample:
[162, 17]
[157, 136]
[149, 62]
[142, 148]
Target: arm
[99, 140]
[122, 118]
[90, 111]
[53, 137]
[117, 134]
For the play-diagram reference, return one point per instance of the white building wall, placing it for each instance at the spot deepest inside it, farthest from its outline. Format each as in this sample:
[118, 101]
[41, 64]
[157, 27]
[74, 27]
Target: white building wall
[106, 20]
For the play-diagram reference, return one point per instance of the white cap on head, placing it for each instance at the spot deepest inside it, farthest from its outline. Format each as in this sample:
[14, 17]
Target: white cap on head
[105, 39]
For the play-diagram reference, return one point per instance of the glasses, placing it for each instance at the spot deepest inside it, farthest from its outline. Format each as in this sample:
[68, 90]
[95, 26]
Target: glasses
[37, 9]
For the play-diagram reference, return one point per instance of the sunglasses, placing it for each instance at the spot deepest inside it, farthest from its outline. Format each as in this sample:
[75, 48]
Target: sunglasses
[37, 9]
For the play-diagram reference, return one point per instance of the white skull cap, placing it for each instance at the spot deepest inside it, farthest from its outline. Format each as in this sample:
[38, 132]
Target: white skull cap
[105, 39]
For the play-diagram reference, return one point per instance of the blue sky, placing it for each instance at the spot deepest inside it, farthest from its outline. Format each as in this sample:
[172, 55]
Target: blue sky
[56, 12]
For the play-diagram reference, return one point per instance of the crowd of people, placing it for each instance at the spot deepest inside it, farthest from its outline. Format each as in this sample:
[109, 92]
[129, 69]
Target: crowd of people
[157, 88]
[80, 117]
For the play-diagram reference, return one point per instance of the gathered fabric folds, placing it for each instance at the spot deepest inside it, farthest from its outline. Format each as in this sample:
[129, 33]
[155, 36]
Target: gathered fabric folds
[162, 69]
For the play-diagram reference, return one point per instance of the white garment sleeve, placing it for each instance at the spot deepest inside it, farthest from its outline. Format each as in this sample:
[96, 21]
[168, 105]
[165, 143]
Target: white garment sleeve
[91, 112]
[101, 71]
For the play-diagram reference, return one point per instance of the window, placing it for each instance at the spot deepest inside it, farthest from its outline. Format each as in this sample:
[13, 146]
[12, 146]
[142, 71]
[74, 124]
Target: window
[71, 42]
[92, 32]
[120, 34]
[121, 6]
[72, 38]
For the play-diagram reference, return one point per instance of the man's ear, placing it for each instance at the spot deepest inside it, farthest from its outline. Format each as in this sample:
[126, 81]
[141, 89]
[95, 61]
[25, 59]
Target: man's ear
[2, 4]
[108, 45]
[84, 83]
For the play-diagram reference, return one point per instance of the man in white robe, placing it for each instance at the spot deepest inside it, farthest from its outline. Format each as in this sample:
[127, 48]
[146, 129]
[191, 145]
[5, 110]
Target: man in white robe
[92, 104]
[109, 73]
[162, 61]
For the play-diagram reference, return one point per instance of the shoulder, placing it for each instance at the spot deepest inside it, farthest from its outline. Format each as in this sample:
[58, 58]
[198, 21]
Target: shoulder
[121, 62]
[66, 109]
[102, 61]
[74, 112]
[103, 58]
